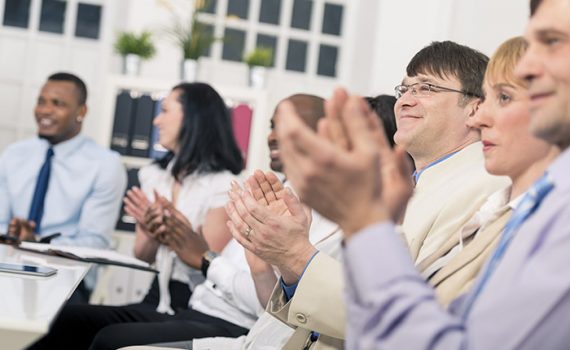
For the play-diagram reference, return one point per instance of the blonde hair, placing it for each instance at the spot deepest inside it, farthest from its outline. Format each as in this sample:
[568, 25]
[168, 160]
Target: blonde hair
[501, 67]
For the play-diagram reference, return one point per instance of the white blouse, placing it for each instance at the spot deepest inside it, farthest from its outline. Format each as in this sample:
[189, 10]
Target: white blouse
[198, 194]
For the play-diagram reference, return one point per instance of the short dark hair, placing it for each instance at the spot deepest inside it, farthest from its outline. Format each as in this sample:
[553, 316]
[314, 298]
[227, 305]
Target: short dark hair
[447, 58]
[383, 105]
[206, 140]
[534, 4]
[79, 84]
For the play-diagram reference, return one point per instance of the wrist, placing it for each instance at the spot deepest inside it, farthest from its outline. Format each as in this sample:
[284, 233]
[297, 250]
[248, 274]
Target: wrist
[292, 267]
[365, 218]
[206, 260]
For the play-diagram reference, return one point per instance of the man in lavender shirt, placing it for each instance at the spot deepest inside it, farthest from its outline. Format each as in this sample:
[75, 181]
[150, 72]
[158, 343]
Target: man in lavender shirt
[522, 298]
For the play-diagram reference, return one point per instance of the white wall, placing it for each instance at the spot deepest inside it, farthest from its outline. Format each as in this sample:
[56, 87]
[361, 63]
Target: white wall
[405, 26]
[380, 38]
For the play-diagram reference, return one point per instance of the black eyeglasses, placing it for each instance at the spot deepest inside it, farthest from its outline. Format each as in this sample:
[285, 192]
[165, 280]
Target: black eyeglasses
[425, 89]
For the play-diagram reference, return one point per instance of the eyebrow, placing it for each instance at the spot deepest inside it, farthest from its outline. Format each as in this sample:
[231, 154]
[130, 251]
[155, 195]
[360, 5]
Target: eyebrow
[420, 80]
[549, 31]
[503, 85]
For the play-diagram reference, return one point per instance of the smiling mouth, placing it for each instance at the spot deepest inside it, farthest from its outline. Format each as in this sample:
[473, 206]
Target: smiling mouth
[537, 98]
[45, 122]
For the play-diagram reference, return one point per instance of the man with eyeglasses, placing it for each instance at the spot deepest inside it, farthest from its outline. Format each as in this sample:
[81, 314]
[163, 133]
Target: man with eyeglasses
[441, 90]
[521, 299]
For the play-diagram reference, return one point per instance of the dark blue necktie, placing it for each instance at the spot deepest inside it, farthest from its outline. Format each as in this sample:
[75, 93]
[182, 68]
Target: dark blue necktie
[37, 207]
[526, 207]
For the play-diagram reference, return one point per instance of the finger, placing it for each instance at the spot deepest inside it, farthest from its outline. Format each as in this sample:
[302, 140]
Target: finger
[255, 188]
[255, 213]
[236, 218]
[133, 210]
[275, 183]
[235, 186]
[294, 205]
[177, 221]
[333, 111]
[239, 237]
[141, 196]
[265, 186]
[356, 119]
[323, 129]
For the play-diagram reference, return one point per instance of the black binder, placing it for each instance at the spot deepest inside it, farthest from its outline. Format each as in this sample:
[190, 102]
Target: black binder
[127, 222]
[141, 127]
[124, 107]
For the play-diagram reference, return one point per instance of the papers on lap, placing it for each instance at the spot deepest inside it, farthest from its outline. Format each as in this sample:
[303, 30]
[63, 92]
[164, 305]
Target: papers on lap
[99, 256]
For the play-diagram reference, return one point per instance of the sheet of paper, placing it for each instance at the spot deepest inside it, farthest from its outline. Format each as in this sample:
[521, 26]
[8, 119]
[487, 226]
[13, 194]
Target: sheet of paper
[86, 253]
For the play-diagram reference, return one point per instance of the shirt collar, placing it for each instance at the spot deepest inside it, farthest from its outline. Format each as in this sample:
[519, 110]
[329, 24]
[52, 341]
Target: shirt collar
[559, 170]
[416, 174]
[65, 148]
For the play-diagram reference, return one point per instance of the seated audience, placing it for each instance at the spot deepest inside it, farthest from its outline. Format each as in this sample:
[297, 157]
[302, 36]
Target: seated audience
[269, 332]
[509, 149]
[519, 299]
[203, 159]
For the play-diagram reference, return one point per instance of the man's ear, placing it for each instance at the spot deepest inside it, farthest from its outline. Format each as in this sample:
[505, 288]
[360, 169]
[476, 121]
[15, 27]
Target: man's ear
[473, 106]
[82, 113]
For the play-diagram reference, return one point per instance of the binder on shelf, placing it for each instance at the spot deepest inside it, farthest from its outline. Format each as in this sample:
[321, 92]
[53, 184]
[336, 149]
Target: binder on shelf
[141, 126]
[124, 107]
[91, 255]
[125, 221]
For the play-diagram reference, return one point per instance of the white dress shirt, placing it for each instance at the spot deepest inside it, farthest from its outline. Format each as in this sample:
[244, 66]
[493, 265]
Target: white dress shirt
[198, 194]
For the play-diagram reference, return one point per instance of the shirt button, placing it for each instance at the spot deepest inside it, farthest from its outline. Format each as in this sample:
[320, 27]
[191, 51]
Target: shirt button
[301, 318]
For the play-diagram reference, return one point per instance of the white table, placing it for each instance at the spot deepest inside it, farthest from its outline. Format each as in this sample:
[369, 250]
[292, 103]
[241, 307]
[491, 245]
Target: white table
[28, 304]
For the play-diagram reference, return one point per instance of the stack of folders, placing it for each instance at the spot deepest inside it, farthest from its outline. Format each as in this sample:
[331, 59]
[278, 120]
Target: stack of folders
[92, 255]
[133, 132]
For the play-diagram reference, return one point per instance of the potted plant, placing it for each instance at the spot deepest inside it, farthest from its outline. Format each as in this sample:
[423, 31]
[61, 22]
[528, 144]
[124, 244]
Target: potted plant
[193, 38]
[134, 49]
[257, 61]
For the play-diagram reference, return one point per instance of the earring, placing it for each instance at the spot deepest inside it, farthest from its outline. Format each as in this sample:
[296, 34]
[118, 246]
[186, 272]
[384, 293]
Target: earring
[79, 119]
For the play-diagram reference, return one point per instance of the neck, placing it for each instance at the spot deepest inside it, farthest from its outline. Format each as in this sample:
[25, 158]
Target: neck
[523, 181]
[422, 161]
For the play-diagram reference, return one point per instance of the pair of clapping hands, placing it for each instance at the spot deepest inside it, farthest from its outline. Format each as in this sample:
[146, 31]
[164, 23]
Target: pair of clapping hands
[272, 224]
[161, 221]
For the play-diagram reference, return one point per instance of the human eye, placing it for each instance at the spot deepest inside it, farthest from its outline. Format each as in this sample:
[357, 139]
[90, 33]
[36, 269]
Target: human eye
[504, 98]
[424, 88]
[549, 38]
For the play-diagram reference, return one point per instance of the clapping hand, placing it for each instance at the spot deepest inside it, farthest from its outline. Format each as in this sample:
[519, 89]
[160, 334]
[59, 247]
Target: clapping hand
[178, 234]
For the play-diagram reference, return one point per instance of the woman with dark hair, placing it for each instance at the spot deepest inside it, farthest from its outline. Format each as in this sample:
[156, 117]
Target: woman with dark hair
[383, 105]
[194, 177]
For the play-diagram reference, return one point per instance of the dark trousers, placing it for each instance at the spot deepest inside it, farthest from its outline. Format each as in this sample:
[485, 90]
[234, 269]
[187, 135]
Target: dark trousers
[77, 325]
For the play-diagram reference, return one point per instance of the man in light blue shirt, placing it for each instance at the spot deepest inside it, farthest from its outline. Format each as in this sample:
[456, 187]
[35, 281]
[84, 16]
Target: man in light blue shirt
[61, 182]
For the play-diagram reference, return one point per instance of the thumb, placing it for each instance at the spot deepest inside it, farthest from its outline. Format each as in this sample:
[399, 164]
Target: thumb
[294, 205]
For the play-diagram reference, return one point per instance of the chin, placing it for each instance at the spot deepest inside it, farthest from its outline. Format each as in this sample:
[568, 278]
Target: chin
[46, 136]
[276, 166]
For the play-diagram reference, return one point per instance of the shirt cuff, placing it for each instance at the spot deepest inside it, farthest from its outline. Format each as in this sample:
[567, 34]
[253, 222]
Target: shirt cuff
[289, 291]
[374, 258]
